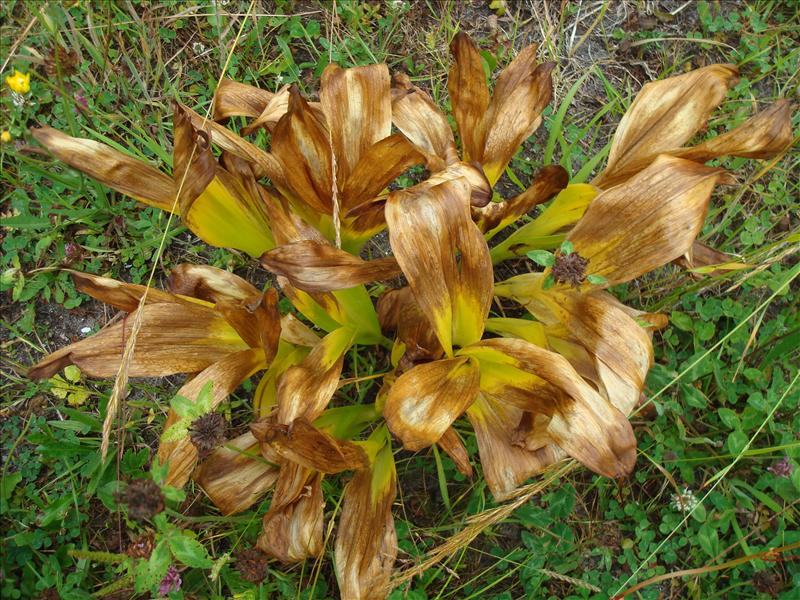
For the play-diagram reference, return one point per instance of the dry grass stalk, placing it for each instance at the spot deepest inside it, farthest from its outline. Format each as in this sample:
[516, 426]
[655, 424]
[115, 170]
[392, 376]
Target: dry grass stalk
[476, 524]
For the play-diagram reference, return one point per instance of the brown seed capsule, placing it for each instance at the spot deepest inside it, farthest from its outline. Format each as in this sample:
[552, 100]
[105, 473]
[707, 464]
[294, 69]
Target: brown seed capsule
[252, 564]
[570, 268]
[60, 61]
[143, 498]
[207, 432]
[141, 546]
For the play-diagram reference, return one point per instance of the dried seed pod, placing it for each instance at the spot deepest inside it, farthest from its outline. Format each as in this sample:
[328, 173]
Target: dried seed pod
[252, 564]
[143, 498]
[570, 268]
[60, 61]
[141, 546]
[207, 432]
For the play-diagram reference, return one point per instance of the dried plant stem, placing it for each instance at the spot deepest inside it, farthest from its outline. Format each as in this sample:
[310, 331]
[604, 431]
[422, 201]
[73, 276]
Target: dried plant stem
[771, 554]
[337, 223]
[477, 523]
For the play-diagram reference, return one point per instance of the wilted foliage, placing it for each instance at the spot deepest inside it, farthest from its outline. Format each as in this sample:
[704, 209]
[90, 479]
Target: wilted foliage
[559, 382]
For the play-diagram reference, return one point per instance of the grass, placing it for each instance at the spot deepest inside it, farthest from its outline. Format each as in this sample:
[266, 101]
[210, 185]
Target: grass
[723, 396]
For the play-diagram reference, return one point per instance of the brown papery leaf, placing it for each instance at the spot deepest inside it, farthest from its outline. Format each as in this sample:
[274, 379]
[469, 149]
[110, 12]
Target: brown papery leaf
[242, 172]
[509, 380]
[223, 208]
[366, 540]
[700, 255]
[367, 219]
[286, 225]
[234, 99]
[762, 136]
[358, 109]
[506, 463]
[277, 107]
[516, 74]
[664, 116]
[193, 163]
[271, 113]
[304, 390]
[532, 431]
[469, 96]
[427, 229]
[302, 443]
[264, 163]
[300, 141]
[120, 172]
[235, 476]
[125, 296]
[651, 219]
[174, 338]
[370, 215]
[294, 331]
[496, 215]
[522, 93]
[424, 401]
[451, 443]
[583, 423]
[292, 529]
[225, 375]
[256, 319]
[399, 312]
[417, 116]
[620, 349]
[208, 283]
[380, 164]
[319, 267]
[650, 322]
[480, 190]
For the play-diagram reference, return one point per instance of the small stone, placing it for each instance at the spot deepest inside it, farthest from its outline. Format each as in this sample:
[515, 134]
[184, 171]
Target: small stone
[86, 330]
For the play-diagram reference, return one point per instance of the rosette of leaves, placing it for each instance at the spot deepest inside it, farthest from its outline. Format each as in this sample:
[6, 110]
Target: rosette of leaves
[534, 390]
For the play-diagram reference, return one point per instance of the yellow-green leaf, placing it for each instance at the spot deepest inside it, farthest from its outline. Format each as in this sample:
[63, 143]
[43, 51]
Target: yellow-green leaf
[566, 209]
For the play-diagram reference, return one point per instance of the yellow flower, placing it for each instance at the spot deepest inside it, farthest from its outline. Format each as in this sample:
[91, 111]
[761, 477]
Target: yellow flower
[19, 82]
[5, 137]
